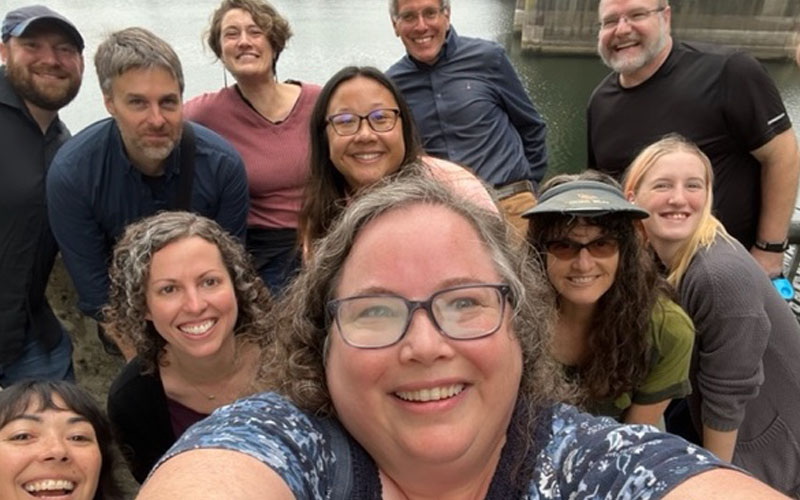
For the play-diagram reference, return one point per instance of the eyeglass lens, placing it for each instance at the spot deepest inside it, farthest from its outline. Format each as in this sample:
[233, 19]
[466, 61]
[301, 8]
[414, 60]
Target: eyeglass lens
[460, 313]
[564, 249]
[411, 16]
[379, 120]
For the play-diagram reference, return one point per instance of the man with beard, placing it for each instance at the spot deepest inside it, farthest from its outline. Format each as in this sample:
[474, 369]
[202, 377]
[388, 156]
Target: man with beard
[719, 98]
[43, 65]
[142, 160]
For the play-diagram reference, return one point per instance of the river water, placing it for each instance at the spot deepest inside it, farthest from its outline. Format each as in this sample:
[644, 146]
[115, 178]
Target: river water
[330, 34]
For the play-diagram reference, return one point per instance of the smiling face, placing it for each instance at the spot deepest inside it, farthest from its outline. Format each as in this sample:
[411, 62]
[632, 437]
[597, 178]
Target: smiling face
[190, 298]
[422, 37]
[51, 450]
[246, 52]
[583, 279]
[427, 400]
[44, 67]
[633, 48]
[366, 156]
[147, 107]
[675, 192]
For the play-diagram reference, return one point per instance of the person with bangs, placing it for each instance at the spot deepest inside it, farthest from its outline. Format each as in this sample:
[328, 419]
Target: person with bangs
[362, 130]
[621, 339]
[55, 443]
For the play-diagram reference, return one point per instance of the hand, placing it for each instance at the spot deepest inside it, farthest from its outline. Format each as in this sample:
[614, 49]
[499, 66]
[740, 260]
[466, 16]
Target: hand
[770, 262]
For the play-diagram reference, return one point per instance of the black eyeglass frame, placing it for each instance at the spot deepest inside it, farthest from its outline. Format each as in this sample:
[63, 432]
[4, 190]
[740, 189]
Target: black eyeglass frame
[412, 305]
[329, 120]
[609, 24]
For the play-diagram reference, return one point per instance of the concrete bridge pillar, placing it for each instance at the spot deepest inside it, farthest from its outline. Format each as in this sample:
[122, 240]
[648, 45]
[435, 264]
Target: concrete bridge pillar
[775, 7]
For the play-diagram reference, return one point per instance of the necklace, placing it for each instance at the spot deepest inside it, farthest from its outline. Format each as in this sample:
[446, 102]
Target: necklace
[210, 397]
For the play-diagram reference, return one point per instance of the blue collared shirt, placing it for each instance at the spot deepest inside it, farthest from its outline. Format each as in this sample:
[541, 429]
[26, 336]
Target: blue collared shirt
[471, 108]
[93, 192]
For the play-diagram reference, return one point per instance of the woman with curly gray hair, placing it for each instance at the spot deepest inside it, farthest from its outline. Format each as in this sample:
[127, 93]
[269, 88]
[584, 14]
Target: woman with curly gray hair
[185, 294]
[411, 361]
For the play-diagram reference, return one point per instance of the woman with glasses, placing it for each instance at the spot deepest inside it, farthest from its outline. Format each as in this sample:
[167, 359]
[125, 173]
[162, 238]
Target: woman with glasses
[266, 120]
[410, 362]
[745, 403]
[185, 295]
[619, 337]
[362, 130]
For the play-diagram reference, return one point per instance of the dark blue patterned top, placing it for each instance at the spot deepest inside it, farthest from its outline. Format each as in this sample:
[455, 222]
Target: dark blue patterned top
[580, 457]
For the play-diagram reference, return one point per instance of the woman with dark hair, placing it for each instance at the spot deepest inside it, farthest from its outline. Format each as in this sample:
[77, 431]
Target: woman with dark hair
[410, 361]
[55, 443]
[355, 141]
[266, 120]
[185, 295]
[745, 375]
[621, 339]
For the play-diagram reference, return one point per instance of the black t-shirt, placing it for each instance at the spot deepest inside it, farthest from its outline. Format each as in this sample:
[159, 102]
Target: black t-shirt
[720, 98]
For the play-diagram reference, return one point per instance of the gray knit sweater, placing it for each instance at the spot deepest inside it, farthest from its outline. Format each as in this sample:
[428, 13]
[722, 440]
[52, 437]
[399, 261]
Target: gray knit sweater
[745, 370]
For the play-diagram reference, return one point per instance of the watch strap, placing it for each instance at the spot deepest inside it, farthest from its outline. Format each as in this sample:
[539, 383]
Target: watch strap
[772, 247]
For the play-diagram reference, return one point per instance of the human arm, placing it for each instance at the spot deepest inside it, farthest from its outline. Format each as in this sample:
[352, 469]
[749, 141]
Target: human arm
[722, 291]
[723, 484]
[672, 338]
[780, 165]
[234, 199]
[264, 427]
[646, 414]
[720, 443]
[213, 474]
[80, 237]
[523, 116]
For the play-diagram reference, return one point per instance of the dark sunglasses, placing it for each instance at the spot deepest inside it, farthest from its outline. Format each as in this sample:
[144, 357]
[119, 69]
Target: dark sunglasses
[566, 249]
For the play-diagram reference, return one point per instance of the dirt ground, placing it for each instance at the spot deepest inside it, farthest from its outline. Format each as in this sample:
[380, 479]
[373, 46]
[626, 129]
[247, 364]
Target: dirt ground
[94, 369]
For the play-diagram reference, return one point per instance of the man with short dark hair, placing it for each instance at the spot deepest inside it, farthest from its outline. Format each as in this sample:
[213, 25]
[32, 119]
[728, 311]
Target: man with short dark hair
[469, 103]
[143, 159]
[43, 66]
[719, 98]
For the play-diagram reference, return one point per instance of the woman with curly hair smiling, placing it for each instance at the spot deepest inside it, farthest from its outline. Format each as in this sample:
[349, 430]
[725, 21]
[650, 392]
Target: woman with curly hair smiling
[620, 338]
[185, 294]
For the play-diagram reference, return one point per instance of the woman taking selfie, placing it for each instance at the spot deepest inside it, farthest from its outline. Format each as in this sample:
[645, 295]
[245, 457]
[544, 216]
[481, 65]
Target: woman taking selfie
[745, 372]
[411, 362]
[184, 293]
[619, 336]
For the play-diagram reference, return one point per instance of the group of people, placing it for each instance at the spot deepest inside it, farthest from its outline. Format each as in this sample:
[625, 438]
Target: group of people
[257, 255]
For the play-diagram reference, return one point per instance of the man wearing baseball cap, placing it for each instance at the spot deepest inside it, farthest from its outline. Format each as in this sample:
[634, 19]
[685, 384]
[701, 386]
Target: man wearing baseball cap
[42, 69]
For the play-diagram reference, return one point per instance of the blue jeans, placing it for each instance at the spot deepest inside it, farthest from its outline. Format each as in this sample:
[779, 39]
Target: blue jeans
[35, 362]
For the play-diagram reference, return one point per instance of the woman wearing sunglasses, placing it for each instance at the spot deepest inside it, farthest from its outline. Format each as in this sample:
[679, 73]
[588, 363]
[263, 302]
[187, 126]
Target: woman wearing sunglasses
[621, 340]
[362, 130]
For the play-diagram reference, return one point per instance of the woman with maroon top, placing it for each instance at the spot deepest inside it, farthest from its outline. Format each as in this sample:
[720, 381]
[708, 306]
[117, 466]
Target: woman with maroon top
[184, 294]
[267, 122]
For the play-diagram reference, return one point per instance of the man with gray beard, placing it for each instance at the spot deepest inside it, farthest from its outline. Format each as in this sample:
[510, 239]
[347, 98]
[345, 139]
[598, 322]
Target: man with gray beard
[719, 98]
[43, 66]
[142, 160]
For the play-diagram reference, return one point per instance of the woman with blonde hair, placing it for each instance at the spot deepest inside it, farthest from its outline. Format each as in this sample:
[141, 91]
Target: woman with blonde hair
[745, 375]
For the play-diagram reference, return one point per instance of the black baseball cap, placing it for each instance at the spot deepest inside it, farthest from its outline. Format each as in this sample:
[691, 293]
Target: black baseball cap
[19, 20]
[584, 198]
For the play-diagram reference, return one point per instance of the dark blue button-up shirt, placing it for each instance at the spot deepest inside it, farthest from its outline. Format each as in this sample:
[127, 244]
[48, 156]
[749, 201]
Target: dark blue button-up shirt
[93, 192]
[27, 247]
[471, 108]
